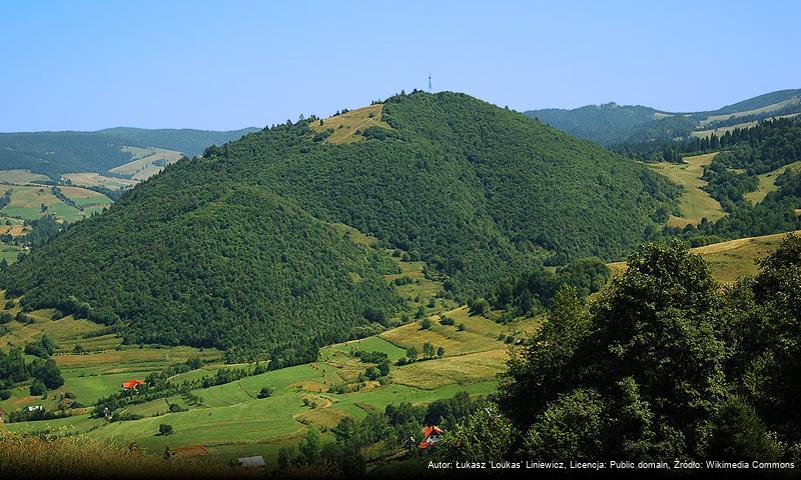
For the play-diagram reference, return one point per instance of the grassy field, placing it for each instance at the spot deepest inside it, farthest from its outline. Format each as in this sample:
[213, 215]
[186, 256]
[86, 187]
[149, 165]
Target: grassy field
[767, 182]
[232, 421]
[730, 260]
[92, 179]
[21, 176]
[722, 130]
[345, 125]
[10, 252]
[694, 203]
[756, 111]
[30, 202]
[144, 164]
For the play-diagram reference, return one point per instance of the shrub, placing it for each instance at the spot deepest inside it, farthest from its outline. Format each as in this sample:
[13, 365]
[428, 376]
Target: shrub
[37, 388]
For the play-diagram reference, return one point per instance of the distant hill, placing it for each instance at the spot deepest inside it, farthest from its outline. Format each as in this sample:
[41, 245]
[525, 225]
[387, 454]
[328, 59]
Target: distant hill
[187, 141]
[612, 124]
[57, 153]
[234, 249]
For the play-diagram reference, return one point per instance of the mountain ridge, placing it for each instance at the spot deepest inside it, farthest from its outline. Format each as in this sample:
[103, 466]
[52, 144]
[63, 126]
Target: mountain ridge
[610, 124]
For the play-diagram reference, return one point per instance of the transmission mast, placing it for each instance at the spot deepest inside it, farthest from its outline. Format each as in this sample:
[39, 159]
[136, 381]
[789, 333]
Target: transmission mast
[429, 83]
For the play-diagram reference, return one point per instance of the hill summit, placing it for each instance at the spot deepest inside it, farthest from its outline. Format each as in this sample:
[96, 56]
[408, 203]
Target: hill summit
[236, 248]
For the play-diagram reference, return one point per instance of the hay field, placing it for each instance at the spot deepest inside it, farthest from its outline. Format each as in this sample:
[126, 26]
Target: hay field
[694, 203]
[346, 124]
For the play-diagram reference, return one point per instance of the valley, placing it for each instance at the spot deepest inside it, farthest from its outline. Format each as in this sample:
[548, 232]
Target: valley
[310, 395]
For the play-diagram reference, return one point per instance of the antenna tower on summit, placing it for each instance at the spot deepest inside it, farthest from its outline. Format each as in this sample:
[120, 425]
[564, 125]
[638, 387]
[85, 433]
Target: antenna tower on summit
[429, 83]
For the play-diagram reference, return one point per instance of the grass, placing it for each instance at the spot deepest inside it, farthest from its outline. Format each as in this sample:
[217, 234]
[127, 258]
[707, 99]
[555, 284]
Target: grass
[232, 421]
[92, 179]
[736, 258]
[730, 260]
[21, 176]
[767, 182]
[24, 456]
[345, 125]
[10, 252]
[27, 202]
[694, 203]
[143, 166]
[461, 370]
[756, 111]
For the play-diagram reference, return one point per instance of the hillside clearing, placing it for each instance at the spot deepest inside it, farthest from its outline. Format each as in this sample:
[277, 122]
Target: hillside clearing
[695, 204]
[92, 179]
[756, 111]
[147, 162]
[767, 182]
[729, 260]
[30, 202]
[345, 125]
[21, 176]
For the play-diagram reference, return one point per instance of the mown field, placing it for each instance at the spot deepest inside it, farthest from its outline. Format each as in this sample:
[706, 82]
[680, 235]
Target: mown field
[733, 259]
[21, 176]
[232, 421]
[146, 162]
[694, 203]
[344, 126]
[92, 179]
[30, 202]
[767, 182]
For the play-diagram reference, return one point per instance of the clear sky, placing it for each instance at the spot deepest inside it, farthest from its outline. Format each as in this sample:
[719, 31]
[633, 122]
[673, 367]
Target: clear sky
[229, 64]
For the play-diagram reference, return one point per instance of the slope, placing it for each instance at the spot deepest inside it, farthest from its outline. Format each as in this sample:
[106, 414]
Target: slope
[56, 153]
[188, 141]
[203, 254]
[625, 125]
[230, 266]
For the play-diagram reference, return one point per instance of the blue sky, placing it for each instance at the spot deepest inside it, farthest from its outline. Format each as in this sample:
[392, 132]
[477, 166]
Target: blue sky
[225, 65]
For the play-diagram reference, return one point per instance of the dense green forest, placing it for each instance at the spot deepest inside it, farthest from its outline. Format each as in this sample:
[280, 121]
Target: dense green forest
[56, 153]
[231, 248]
[612, 124]
[665, 364]
[225, 266]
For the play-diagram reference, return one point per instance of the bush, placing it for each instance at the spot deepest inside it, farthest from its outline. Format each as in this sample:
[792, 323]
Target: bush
[165, 429]
[425, 324]
[5, 394]
[37, 388]
[445, 320]
[265, 392]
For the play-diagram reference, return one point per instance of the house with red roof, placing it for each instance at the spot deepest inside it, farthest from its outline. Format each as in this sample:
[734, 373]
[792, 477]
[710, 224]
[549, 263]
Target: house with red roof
[431, 435]
[132, 385]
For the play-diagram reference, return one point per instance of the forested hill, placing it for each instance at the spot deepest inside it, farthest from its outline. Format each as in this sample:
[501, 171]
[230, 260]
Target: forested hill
[188, 141]
[232, 247]
[618, 126]
[56, 153]
[607, 124]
